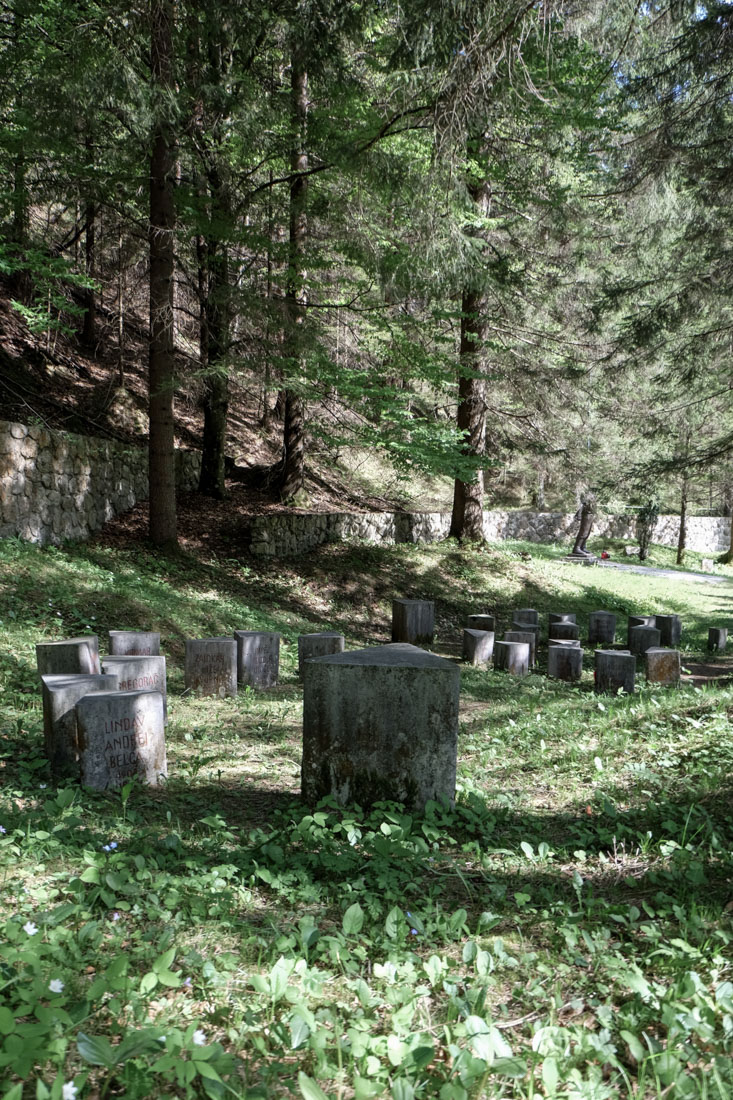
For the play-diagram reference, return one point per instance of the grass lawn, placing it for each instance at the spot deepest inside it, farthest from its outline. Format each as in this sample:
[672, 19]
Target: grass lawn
[565, 931]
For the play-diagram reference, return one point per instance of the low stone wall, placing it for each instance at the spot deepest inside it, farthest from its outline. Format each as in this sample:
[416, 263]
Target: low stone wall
[286, 535]
[56, 486]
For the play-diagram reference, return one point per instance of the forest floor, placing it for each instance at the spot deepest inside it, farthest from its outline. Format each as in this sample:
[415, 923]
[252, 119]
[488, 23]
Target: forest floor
[565, 931]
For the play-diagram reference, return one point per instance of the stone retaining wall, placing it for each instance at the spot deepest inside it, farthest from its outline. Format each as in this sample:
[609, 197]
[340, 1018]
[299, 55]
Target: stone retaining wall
[285, 535]
[56, 486]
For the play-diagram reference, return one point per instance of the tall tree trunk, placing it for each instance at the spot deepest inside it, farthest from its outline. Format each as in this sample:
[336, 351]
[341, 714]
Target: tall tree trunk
[88, 332]
[468, 496]
[162, 458]
[682, 540]
[293, 467]
[216, 334]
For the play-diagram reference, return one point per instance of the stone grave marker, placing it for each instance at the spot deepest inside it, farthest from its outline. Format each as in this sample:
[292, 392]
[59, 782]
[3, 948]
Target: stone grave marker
[69, 657]
[478, 646]
[708, 565]
[121, 734]
[563, 632]
[561, 617]
[139, 674]
[670, 630]
[717, 638]
[527, 636]
[380, 723]
[569, 643]
[534, 628]
[642, 638]
[134, 643]
[638, 620]
[614, 669]
[59, 695]
[512, 657]
[413, 621]
[481, 622]
[526, 615]
[258, 658]
[601, 628]
[318, 645]
[565, 662]
[211, 666]
[663, 666]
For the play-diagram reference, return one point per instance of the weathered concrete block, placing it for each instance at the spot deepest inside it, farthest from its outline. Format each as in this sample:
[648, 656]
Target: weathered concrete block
[139, 674]
[69, 657]
[564, 632]
[642, 638]
[380, 723]
[663, 666]
[528, 636]
[561, 617]
[512, 657]
[211, 666]
[413, 621]
[614, 669]
[526, 615]
[638, 620]
[318, 645]
[601, 628]
[534, 628]
[258, 658]
[565, 662]
[481, 622]
[670, 630]
[59, 695]
[134, 643]
[121, 734]
[717, 638]
[478, 646]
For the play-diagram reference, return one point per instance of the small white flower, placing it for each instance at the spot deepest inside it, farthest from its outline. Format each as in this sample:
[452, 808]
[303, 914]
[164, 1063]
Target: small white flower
[3, 829]
[115, 916]
[199, 1038]
[69, 1091]
[106, 848]
[42, 786]
[56, 985]
[30, 928]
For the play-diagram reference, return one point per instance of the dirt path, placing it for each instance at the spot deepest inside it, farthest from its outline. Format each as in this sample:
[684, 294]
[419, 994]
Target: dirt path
[716, 670]
[674, 574]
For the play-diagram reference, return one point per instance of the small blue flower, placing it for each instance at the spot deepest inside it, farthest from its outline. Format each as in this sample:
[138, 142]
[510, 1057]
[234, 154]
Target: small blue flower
[3, 829]
[113, 843]
[106, 848]
[413, 931]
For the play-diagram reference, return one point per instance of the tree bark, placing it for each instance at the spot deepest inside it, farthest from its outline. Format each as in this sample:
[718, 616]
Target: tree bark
[682, 540]
[293, 464]
[88, 332]
[468, 496]
[161, 367]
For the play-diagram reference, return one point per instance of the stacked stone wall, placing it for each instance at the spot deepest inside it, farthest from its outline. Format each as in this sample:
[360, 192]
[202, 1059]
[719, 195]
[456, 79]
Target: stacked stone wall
[296, 533]
[56, 486]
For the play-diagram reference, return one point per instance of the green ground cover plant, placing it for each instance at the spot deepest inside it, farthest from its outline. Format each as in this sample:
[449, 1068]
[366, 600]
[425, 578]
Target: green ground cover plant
[564, 931]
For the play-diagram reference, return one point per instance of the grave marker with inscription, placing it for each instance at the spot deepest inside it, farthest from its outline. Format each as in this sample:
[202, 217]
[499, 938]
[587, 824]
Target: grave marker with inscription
[380, 724]
[59, 695]
[601, 627]
[258, 658]
[211, 666]
[134, 643]
[120, 735]
[139, 674]
[70, 657]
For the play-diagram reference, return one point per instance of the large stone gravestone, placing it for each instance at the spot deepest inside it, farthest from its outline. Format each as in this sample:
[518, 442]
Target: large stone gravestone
[528, 636]
[478, 646]
[481, 622]
[615, 669]
[563, 632]
[512, 657]
[642, 638]
[211, 666]
[380, 723]
[670, 630]
[121, 734]
[318, 645]
[526, 615]
[413, 621]
[663, 666]
[561, 617]
[139, 674]
[638, 620]
[59, 695]
[134, 643]
[601, 628]
[69, 657]
[717, 638]
[258, 658]
[565, 662]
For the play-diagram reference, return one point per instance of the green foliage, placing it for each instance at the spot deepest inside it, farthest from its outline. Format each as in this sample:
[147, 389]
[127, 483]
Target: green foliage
[646, 519]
